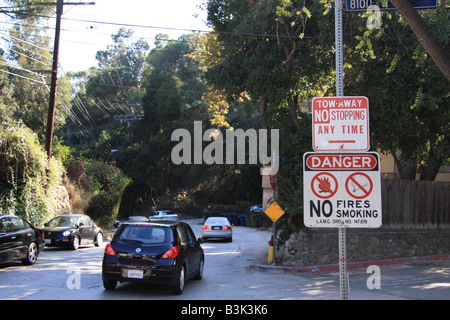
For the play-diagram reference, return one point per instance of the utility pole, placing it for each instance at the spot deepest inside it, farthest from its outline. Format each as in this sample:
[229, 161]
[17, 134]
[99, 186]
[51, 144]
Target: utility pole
[54, 72]
[52, 103]
[129, 119]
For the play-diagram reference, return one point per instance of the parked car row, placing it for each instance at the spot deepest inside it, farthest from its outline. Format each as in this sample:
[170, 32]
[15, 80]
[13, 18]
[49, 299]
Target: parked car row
[20, 240]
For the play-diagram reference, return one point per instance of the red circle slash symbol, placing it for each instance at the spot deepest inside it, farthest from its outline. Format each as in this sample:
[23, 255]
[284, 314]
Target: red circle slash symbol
[324, 185]
[359, 185]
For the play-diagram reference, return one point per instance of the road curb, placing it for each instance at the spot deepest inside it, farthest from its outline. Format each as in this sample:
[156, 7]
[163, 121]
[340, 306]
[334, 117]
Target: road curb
[350, 266]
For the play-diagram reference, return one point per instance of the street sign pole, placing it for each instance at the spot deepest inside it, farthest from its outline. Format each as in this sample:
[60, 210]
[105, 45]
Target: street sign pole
[343, 277]
[274, 229]
[339, 49]
[274, 212]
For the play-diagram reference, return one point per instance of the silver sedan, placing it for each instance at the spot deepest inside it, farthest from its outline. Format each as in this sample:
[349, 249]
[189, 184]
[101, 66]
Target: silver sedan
[217, 227]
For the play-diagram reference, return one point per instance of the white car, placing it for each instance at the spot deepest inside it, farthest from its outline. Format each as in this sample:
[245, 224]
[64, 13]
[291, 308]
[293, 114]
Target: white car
[165, 215]
[217, 227]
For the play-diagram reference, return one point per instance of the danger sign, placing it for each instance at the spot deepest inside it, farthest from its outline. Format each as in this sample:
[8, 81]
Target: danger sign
[342, 190]
[341, 124]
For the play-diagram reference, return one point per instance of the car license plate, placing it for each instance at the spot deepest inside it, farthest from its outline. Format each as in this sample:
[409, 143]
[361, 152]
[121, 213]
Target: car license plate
[47, 241]
[135, 274]
[216, 228]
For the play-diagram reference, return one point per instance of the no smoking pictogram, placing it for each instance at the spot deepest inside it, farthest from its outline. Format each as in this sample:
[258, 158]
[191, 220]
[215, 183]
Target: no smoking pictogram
[359, 185]
[324, 185]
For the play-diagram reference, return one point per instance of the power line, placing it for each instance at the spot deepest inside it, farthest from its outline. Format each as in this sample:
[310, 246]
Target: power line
[23, 41]
[52, 101]
[20, 76]
[250, 34]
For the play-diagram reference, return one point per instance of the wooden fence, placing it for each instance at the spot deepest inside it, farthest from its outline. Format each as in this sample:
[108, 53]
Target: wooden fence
[416, 204]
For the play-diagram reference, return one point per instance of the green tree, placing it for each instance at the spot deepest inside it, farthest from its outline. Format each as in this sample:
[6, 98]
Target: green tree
[107, 184]
[408, 95]
[28, 51]
[428, 40]
[173, 99]
[278, 51]
[114, 88]
[281, 54]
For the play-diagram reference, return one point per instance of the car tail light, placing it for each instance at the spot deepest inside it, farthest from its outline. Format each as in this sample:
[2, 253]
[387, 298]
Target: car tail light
[227, 228]
[171, 253]
[109, 250]
[42, 234]
[205, 227]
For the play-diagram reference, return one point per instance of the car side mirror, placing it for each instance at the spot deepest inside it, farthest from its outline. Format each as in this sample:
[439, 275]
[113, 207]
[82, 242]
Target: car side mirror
[201, 240]
[46, 224]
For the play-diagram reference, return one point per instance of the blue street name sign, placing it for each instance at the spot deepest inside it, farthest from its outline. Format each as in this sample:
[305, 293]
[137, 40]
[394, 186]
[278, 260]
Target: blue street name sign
[362, 5]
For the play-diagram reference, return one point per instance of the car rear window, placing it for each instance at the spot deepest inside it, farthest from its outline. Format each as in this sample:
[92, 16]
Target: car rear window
[214, 220]
[144, 234]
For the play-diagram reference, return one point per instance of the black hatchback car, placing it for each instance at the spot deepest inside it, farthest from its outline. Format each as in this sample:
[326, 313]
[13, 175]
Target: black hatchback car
[19, 240]
[71, 231]
[153, 251]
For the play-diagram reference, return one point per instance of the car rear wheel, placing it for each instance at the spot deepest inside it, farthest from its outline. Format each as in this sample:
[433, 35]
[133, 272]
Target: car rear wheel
[178, 287]
[109, 285]
[32, 254]
[199, 275]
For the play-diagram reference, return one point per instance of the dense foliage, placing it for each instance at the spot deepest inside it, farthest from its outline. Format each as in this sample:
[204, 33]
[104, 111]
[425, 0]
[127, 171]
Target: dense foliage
[259, 68]
[28, 181]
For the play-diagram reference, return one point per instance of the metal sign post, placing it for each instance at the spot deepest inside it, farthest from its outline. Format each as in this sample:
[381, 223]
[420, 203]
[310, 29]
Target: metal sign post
[274, 212]
[339, 49]
[343, 277]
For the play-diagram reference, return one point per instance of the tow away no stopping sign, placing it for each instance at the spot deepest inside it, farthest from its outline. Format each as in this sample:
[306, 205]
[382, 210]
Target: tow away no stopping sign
[342, 190]
[340, 124]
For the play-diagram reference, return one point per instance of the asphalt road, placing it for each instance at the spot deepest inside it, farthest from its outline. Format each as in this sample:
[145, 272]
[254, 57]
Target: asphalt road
[76, 275]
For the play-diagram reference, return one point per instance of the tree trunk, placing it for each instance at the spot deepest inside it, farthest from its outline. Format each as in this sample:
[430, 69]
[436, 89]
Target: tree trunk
[406, 169]
[263, 111]
[430, 170]
[293, 107]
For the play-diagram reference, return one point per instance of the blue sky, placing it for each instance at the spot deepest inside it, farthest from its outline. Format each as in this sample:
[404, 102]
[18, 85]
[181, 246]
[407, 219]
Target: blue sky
[81, 40]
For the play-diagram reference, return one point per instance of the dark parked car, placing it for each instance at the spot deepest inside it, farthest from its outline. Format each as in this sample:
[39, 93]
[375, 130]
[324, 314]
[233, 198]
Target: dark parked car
[19, 240]
[71, 231]
[162, 252]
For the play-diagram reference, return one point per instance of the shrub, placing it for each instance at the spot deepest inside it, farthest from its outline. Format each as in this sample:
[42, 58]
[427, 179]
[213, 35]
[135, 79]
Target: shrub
[101, 185]
[28, 181]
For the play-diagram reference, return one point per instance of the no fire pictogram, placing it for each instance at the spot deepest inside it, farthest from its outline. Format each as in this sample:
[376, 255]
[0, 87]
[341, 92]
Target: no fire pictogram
[324, 185]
